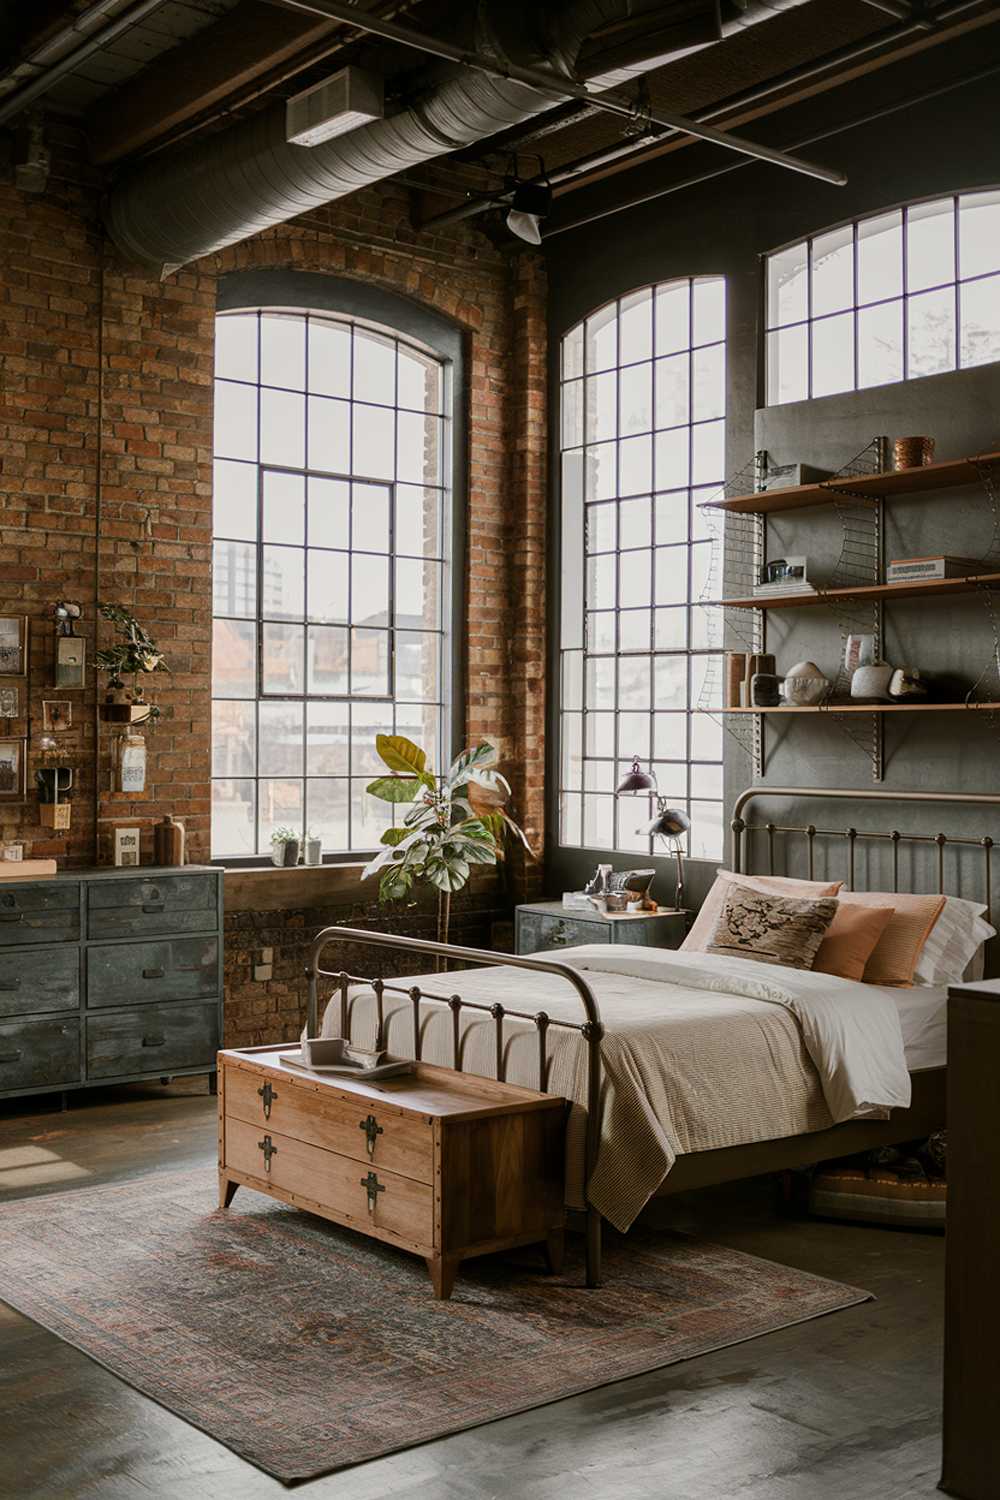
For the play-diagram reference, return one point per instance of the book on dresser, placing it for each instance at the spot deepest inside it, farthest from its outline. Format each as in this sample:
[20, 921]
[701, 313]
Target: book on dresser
[109, 976]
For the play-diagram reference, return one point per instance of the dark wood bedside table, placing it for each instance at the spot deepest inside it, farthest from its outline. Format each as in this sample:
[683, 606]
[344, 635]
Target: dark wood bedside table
[546, 926]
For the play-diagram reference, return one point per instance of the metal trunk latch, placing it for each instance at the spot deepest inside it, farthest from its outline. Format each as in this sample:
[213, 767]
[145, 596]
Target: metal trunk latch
[371, 1129]
[268, 1096]
[269, 1149]
[372, 1187]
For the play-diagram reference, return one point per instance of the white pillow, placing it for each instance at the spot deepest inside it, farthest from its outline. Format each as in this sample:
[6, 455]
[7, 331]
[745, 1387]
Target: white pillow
[954, 942]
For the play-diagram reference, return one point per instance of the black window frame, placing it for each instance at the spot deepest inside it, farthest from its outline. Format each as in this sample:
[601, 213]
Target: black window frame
[309, 292]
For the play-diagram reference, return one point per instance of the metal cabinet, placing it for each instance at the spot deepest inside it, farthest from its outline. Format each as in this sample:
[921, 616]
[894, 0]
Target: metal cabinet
[547, 926]
[109, 976]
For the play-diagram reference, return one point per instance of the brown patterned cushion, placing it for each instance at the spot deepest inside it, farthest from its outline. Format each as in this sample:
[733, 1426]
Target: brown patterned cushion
[771, 929]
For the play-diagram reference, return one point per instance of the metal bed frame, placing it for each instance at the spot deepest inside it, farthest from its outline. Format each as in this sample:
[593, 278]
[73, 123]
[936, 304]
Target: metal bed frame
[697, 1168]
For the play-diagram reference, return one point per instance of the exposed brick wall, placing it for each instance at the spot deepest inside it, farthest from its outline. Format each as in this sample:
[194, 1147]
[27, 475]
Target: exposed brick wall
[104, 369]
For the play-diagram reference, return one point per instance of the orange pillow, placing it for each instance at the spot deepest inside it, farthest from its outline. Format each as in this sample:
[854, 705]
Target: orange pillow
[850, 939]
[895, 955]
[702, 932]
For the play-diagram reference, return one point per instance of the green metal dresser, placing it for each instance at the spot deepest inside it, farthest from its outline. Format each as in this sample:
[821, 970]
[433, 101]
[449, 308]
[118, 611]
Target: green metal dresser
[545, 926]
[109, 976]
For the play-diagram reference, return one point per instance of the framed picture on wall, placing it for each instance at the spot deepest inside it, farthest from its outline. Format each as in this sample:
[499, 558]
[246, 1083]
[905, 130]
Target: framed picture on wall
[13, 645]
[12, 764]
[11, 690]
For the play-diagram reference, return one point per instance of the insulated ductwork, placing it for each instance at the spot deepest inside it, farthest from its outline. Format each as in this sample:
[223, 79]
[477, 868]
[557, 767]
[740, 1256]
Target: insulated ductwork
[198, 199]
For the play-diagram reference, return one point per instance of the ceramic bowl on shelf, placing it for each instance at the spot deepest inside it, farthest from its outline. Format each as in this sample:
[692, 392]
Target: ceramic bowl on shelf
[871, 683]
[805, 685]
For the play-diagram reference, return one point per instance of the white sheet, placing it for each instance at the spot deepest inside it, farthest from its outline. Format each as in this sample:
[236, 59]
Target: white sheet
[923, 1019]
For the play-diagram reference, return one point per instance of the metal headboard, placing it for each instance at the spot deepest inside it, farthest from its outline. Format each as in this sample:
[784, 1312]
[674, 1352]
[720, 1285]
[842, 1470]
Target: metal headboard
[744, 832]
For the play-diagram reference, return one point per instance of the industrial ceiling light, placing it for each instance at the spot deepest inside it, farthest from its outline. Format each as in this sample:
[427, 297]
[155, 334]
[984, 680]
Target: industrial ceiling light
[350, 98]
[531, 202]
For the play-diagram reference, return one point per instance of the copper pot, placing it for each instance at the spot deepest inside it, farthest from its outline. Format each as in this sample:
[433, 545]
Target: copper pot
[912, 452]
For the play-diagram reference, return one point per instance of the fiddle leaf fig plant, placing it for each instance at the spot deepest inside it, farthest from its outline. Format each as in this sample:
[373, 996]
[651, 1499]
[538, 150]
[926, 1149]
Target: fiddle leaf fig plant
[454, 821]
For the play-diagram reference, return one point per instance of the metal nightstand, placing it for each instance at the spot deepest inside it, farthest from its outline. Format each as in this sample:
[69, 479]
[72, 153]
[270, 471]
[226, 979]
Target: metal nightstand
[546, 926]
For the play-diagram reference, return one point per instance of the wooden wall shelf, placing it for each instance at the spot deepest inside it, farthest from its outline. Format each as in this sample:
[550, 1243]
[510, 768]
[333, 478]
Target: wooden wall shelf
[916, 588]
[929, 477]
[861, 708]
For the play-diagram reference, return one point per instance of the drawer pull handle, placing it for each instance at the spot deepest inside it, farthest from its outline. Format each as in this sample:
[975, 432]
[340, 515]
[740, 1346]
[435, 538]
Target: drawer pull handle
[269, 1149]
[268, 1096]
[559, 934]
[372, 1130]
[372, 1187]
[149, 907]
[11, 916]
[10, 1057]
[7, 985]
[154, 1039]
[153, 973]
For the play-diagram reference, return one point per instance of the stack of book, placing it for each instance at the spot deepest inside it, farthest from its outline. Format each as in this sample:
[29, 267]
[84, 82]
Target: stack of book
[783, 587]
[909, 569]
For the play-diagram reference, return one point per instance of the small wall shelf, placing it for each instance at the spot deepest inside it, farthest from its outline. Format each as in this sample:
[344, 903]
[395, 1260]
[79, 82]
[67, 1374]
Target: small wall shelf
[895, 482]
[916, 588]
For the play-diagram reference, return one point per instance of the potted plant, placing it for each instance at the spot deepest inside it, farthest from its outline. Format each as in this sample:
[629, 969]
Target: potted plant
[135, 654]
[454, 821]
[285, 843]
[312, 853]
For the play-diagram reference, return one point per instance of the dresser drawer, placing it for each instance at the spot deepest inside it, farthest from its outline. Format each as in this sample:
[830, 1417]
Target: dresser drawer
[39, 913]
[172, 969]
[38, 979]
[400, 1206]
[538, 933]
[152, 1039]
[34, 1054]
[400, 1143]
[142, 908]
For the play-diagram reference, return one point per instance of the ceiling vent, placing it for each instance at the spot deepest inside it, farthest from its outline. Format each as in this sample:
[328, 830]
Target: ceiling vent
[350, 98]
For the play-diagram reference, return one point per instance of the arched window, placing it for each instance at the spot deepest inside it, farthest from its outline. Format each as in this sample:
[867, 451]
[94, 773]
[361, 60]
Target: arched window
[894, 296]
[643, 442]
[332, 527]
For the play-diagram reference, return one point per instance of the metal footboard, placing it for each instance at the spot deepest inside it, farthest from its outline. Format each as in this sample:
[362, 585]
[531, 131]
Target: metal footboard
[592, 1029]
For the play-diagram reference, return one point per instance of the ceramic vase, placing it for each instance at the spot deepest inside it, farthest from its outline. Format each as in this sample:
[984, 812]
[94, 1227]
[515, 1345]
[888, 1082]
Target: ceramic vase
[872, 683]
[805, 685]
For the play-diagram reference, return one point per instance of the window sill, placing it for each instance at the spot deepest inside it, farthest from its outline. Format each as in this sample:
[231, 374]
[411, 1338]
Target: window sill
[268, 887]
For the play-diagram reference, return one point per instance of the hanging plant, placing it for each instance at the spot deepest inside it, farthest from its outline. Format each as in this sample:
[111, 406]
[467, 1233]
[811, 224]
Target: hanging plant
[135, 654]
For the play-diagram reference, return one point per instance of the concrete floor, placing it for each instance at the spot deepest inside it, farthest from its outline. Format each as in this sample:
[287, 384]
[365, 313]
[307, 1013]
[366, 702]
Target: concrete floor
[846, 1407]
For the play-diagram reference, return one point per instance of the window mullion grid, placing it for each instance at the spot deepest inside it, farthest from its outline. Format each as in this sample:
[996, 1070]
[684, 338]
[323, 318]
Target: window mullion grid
[855, 314]
[259, 685]
[958, 281]
[305, 589]
[904, 228]
[688, 558]
[615, 744]
[809, 317]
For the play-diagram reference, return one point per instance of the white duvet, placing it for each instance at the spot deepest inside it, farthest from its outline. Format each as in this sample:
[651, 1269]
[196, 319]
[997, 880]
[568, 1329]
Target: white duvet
[852, 1031]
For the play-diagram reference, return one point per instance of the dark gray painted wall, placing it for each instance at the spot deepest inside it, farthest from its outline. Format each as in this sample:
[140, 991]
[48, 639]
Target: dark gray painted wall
[946, 144]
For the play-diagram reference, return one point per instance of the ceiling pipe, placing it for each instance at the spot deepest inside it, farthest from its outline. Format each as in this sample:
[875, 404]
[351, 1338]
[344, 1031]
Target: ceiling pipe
[850, 52]
[547, 82]
[70, 61]
[638, 200]
[191, 202]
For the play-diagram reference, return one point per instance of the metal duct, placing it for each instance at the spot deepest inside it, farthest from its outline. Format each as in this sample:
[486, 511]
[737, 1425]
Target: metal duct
[199, 199]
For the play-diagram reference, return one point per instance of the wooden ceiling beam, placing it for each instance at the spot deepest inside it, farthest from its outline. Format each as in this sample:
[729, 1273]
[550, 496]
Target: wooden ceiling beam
[244, 45]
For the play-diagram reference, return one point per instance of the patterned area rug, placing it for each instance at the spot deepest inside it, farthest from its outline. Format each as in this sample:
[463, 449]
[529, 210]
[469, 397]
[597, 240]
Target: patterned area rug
[307, 1348]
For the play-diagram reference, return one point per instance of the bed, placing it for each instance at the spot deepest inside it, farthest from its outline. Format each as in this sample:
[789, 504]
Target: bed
[684, 1069]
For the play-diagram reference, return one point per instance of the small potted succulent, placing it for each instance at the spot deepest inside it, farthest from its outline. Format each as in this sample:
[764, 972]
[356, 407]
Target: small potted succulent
[285, 845]
[312, 849]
